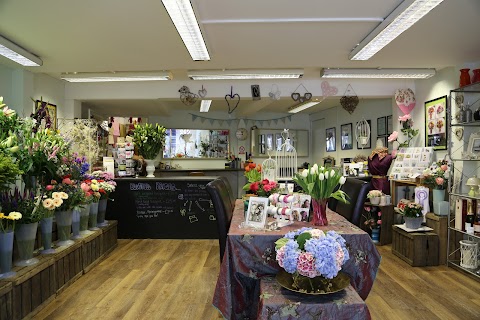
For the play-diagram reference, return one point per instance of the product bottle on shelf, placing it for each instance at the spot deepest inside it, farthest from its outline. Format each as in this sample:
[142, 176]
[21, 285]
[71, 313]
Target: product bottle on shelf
[470, 219]
[476, 224]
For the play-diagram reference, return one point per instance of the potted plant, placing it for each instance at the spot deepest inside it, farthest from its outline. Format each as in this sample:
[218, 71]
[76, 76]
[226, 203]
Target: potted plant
[412, 213]
[436, 178]
[374, 196]
[149, 140]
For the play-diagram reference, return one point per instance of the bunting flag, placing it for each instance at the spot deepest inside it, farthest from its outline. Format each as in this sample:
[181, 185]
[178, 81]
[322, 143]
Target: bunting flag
[243, 122]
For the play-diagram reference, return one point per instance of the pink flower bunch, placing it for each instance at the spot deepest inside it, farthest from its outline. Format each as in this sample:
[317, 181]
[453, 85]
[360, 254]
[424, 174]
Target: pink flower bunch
[306, 264]
[263, 188]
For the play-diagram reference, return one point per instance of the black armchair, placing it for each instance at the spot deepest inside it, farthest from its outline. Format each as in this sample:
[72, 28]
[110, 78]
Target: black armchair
[357, 191]
[229, 189]
[223, 209]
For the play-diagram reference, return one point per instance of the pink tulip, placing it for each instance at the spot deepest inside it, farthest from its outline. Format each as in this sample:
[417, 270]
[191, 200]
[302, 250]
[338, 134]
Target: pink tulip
[393, 136]
[49, 187]
[444, 167]
[439, 181]
[405, 117]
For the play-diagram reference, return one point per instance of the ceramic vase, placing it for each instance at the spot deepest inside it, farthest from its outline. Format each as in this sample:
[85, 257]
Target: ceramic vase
[438, 195]
[25, 235]
[319, 212]
[464, 77]
[76, 224]
[6, 252]
[92, 217]
[84, 213]
[150, 168]
[102, 209]
[46, 226]
[64, 227]
[375, 200]
[476, 76]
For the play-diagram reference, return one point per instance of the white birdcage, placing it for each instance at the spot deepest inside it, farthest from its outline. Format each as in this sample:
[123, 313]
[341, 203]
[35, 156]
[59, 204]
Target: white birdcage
[286, 159]
[269, 168]
[362, 133]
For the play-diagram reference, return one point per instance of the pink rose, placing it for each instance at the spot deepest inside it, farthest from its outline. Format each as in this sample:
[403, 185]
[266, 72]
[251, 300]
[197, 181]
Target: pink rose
[439, 181]
[267, 187]
[265, 181]
[405, 117]
[254, 187]
[444, 167]
[379, 221]
[49, 187]
[85, 187]
[67, 181]
[393, 136]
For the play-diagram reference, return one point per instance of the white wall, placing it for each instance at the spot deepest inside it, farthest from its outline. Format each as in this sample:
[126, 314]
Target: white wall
[6, 86]
[53, 91]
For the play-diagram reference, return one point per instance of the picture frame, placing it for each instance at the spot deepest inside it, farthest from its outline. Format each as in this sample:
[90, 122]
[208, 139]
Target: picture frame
[269, 142]
[389, 125]
[474, 144]
[381, 126]
[261, 144]
[384, 140]
[436, 123]
[331, 144]
[346, 136]
[51, 110]
[257, 212]
[369, 144]
[278, 141]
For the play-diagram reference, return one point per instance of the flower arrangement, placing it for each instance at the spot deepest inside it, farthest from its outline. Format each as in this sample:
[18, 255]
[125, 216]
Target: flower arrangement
[406, 122]
[149, 139]
[311, 253]
[23, 202]
[8, 124]
[256, 185]
[320, 183]
[8, 171]
[91, 190]
[7, 222]
[409, 209]
[373, 217]
[374, 194]
[105, 183]
[436, 176]
[63, 195]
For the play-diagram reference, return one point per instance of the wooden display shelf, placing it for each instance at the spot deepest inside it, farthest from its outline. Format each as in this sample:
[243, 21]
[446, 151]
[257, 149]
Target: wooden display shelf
[91, 250]
[6, 300]
[418, 249]
[68, 265]
[439, 224]
[109, 237]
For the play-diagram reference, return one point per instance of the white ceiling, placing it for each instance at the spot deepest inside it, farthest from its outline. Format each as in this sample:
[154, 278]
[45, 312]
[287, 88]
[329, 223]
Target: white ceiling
[122, 35]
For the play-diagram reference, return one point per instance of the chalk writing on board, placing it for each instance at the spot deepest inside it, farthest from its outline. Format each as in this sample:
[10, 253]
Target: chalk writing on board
[140, 186]
[180, 196]
[165, 186]
[193, 218]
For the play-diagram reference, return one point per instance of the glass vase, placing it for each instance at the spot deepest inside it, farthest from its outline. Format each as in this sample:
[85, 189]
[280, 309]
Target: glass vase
[25, 235]
[464, 77]
[319, 212]
[476, 76]
[64, 227]
[102, 209]
[6, 252]
[84, 213]
[92, 217]
[46, 226]
[76, 224]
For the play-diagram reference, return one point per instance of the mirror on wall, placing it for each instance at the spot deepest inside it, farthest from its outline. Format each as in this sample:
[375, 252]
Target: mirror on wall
[265, 141]
[194, 143]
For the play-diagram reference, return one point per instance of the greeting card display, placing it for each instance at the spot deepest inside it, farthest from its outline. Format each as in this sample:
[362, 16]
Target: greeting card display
[411, 162]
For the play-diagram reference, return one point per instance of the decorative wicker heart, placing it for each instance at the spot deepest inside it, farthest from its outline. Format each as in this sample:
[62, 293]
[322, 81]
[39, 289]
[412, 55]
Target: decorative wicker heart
[459, 133]
[349, 103]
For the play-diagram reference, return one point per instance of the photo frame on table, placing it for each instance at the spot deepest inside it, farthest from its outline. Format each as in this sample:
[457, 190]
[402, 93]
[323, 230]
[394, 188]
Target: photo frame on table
[369, 144]
[51, 111]
[346, 136]
[257, 212]
[331, 144]
[474, 144]
[389, 125]
[381, 126]
[436, 132]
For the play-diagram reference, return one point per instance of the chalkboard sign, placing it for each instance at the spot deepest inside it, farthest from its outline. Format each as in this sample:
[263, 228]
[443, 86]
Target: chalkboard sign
[163, 209]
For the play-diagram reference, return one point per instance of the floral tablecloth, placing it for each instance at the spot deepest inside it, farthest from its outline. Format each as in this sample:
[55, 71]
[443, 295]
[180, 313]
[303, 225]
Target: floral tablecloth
[250, 255]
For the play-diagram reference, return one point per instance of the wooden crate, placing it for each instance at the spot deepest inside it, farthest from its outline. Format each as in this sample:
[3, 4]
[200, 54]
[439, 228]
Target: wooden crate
[109, 235]
[91, 250]
[68, 265]
[6, 300]
[32, 288]
[416, 248]
[439, 224]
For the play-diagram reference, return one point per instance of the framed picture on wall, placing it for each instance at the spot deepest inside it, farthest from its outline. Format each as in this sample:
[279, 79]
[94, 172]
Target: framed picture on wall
[346, 136]
[270, 142]
[278, 141]
[436, 123]
[50, 112]
[330, 139]
[389, 125]
[381, 126]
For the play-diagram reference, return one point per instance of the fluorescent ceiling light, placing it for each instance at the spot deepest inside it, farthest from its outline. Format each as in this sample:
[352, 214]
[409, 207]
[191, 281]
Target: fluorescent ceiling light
[183, 17]
[378, 73]
[402, 18]
[117, 76]
[205, 105]
[16, 53]
[244, 74]
[302, 106]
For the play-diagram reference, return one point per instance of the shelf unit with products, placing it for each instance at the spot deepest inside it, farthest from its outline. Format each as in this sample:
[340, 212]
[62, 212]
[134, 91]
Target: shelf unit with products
[464, 151]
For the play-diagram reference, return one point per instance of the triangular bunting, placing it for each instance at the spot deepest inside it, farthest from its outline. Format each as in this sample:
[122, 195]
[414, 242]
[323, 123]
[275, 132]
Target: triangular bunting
[194, 117]
[283, 120]
[289, 118]
[275, 121]
[211, 120]
[229, 122]
[269, 122]
[202, 120]
[220, 122]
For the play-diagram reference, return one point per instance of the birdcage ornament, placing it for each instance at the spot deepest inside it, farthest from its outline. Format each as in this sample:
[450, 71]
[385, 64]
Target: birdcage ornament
[362, 133]
[286, 159]
[269, 168]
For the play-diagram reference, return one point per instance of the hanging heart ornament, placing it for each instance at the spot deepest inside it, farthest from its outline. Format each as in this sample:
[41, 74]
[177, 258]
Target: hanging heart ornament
[349, 102]
[188, 98]
[405, 99]
[328, 90]
[232, 98]
[275, 93]
[202, 92]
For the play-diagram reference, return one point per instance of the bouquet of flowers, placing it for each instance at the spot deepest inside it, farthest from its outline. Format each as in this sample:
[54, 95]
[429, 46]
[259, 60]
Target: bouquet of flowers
[256, 185]
[8, 171]
[106, 184]
[7, 222]
[91, 190]
[373, 217]
[8, 125]
[24, 203]
[311, 253]
[374, 194]
[149, 139]
[63, 195]
[409, 209]
[436, 176]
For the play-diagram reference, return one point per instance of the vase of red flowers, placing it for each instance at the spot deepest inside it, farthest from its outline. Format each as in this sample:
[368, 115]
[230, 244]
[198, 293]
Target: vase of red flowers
[256, 185]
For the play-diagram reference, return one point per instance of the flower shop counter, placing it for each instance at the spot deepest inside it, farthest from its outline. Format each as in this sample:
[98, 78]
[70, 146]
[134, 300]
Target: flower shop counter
[163, 208]
[250, 255]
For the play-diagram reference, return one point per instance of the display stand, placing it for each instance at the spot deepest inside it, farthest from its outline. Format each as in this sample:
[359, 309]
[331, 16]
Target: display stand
[439, 224]
[418, 249]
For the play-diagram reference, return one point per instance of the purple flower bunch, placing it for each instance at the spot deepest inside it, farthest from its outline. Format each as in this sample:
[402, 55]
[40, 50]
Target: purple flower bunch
[311, 252]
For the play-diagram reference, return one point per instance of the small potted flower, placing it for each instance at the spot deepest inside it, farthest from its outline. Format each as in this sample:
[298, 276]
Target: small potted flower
[374, 196]
[412, 213]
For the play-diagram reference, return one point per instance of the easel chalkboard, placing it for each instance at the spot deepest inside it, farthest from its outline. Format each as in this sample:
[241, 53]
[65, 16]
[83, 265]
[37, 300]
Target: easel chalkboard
[170, 208]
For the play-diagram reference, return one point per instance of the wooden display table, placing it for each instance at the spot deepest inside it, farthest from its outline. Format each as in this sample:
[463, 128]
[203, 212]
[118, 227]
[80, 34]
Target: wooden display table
[439, 224]
[418, 249]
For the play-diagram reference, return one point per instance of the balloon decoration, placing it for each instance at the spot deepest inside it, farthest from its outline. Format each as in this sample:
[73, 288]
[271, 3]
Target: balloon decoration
[405, 99]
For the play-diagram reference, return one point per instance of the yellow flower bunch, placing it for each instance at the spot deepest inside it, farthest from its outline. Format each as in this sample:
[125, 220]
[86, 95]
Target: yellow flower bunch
[7, 223]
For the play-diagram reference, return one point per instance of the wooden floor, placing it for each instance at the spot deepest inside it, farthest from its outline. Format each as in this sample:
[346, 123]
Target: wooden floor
[175, 279]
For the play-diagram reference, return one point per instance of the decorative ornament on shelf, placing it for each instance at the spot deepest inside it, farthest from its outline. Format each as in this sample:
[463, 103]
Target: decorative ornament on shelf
[405, 99]
[274, 93]
[473, 183]
[188, 98]
[297, 97]
[349, 101]
[232, 98]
